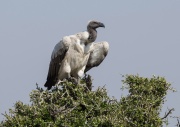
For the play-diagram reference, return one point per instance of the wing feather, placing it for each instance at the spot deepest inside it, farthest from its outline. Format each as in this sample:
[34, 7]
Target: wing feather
[97, 55]
[57, 56]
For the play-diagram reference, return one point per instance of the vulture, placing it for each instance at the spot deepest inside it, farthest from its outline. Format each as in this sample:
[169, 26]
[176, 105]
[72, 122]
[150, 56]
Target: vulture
[76, 54]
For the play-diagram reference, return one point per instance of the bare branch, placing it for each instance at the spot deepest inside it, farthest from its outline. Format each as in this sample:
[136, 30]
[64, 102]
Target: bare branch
[169, 112]
[178, 124]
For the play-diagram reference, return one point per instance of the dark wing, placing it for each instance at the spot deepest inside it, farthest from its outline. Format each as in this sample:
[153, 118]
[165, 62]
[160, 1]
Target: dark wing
[97, 55]
[57, 56]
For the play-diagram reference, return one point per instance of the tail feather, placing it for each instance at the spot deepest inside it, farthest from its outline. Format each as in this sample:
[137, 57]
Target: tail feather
[49, 84]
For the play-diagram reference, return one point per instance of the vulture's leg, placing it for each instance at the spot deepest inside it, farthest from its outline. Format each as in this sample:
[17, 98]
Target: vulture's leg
[78, 80]
[69, 76]
[80, 74]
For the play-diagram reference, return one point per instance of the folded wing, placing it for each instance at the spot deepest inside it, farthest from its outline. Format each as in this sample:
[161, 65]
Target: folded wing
[57, 56]
[59, 53]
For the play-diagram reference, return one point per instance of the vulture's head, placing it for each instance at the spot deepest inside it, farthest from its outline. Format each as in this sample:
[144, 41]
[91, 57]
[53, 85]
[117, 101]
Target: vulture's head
[95, 24]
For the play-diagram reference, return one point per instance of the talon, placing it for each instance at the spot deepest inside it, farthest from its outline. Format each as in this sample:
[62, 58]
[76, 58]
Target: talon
[72, 79]
[59, 82]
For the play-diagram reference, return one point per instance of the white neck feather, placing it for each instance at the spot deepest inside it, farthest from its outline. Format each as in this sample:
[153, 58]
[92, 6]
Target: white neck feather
[86, 48]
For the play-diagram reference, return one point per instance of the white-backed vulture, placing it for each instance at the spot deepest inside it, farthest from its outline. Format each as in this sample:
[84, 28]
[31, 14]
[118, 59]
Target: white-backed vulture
[76, 54]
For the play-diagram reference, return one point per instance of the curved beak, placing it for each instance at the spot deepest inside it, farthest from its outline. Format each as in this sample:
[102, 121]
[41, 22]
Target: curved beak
[101, 25]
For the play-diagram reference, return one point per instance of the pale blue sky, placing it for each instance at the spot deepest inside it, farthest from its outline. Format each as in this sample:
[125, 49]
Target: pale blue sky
[144, 38]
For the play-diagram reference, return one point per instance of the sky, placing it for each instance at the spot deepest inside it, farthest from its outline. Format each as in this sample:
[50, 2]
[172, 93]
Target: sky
[144, 39]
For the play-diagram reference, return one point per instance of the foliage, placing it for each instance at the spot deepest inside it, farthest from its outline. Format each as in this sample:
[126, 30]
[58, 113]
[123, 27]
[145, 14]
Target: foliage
[69, 105]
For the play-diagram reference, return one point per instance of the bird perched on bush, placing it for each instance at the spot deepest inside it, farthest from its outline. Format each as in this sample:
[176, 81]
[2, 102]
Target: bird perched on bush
[76, 54]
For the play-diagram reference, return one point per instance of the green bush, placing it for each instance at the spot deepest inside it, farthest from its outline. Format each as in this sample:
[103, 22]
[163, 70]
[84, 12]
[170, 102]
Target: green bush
[69, 105]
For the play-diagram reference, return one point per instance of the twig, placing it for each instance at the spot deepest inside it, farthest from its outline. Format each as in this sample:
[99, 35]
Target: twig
[166, 115]
[178, 124]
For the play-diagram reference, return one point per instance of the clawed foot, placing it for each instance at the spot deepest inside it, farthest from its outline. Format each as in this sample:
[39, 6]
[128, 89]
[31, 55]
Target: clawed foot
[60, 81]
[73, 80]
